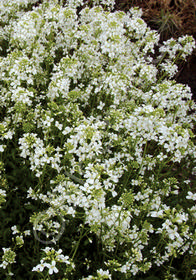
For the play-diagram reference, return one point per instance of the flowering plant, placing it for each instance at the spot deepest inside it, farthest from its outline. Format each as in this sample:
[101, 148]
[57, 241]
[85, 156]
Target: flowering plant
[97, 145]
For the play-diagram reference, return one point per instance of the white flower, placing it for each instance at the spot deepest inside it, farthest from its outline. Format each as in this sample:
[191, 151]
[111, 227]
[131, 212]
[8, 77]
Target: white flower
[4, 264]
[27, 232]
[40, 267]
[193, 271]
[105, 274]
[9, 134]
[67, 130]
[2, 192]
[101, 105]
[14, 230]
[52, 267]
[2, 147]
[191, 196]
[58, 125]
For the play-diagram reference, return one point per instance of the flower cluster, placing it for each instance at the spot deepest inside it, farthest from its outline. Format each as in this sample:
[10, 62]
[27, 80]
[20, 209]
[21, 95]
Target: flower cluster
[50, 260]
[8, 257]
[104, 136]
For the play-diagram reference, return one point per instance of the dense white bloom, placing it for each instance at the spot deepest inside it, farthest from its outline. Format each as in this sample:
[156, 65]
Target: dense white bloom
[100, 134]
[170, 68]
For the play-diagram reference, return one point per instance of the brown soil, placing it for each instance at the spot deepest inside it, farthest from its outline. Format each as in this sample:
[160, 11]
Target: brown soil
[187, 74]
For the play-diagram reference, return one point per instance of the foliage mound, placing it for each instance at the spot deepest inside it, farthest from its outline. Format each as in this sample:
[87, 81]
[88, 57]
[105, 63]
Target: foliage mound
[97, 148]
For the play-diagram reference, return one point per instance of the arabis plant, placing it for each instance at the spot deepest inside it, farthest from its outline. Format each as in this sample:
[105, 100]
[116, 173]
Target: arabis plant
[97, 145]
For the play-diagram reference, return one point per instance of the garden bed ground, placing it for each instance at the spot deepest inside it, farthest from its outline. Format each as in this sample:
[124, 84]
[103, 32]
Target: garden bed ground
[187, 75]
